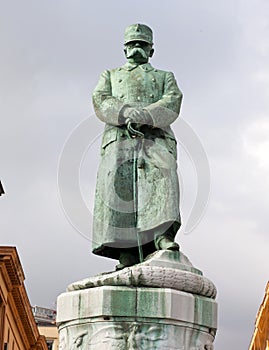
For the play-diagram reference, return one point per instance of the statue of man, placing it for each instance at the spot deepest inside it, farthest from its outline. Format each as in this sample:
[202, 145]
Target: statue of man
[137, 194]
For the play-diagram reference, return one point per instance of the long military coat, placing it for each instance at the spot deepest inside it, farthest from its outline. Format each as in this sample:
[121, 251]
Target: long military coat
[137, 185]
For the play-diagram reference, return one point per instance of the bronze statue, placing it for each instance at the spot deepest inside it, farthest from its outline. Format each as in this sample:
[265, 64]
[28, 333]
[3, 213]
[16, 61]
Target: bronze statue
[137, 194]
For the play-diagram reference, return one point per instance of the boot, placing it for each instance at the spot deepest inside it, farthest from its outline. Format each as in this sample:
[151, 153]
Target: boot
[127, 259]
[164, 243]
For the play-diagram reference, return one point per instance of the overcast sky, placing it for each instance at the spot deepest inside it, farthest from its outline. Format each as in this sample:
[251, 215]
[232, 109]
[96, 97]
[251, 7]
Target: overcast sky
[52, 53]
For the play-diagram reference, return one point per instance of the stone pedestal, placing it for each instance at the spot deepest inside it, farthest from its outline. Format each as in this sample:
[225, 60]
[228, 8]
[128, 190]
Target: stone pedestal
[124, 312]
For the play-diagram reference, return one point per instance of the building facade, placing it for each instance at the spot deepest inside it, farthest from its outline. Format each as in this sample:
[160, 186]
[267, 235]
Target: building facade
[46, 321]
[260, 338]
[18, 329]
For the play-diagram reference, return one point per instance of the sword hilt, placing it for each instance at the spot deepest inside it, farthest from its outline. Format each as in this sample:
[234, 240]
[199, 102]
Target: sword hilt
[132, 130]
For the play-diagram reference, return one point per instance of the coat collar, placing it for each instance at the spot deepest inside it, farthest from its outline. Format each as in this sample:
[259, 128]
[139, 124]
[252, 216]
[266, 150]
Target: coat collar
[147, 67]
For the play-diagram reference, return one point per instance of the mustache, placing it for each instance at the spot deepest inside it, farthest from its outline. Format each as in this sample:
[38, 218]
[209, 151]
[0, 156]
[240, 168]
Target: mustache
[137, 51]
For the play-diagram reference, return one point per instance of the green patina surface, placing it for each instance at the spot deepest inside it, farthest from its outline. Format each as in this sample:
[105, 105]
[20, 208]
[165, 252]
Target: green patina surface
[137, 193]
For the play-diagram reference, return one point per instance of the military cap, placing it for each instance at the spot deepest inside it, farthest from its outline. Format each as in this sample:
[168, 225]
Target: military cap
[138, 32]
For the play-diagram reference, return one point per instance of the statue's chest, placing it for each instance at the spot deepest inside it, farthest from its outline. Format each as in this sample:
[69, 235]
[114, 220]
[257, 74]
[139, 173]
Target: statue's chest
[137, 85]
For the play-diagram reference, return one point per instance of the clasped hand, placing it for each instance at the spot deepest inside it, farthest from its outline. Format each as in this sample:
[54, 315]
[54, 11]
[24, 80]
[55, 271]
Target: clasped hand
[137, 116]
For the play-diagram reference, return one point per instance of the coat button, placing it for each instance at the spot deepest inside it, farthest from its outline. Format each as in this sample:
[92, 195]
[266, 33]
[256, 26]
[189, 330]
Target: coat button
[120, 80]
[153, 79]
[151, 95]
[138, 98]
[121, 95]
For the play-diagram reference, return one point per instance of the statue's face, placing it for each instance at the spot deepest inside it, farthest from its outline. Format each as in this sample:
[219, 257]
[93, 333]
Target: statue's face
[138, 51]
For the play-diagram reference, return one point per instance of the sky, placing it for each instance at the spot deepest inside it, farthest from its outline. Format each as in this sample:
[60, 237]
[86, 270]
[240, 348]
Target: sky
[52, 53]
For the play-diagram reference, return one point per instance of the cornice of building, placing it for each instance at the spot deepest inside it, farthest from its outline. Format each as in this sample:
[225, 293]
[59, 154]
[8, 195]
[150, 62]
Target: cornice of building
[12, 273]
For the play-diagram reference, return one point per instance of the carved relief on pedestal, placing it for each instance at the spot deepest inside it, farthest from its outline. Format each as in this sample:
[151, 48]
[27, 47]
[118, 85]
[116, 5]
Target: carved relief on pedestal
[133, 336]
[63, 339]
[120, 311]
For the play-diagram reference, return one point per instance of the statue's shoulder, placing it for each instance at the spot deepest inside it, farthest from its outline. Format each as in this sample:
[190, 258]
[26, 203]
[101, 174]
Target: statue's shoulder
[117, 69]
[157, 70]
[163, 72]
[108, 73]
[115, 72]
[147, 67]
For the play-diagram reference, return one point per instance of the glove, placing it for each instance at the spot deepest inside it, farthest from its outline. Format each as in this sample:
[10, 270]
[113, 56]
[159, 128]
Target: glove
[137, 116]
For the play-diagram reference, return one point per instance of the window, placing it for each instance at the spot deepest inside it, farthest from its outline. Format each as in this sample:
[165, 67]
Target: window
[49, 344]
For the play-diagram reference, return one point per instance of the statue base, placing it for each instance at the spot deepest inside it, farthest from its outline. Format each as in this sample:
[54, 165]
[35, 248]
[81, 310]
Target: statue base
[133, 315]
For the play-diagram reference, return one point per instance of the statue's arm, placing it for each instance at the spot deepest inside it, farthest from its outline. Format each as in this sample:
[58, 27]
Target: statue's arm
[165, 111]
[107, 108]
